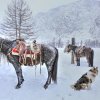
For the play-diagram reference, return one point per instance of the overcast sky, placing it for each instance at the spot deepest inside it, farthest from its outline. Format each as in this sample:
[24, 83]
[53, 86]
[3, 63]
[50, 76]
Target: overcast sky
[36, 5]
[45, 5]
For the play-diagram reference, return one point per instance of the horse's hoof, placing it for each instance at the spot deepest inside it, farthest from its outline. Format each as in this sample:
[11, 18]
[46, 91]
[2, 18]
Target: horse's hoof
[45, 86]
[22, 81]
[18, 86]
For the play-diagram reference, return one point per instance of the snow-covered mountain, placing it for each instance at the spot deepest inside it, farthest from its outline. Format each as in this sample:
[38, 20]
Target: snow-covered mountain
[76, 19]
[80, 19]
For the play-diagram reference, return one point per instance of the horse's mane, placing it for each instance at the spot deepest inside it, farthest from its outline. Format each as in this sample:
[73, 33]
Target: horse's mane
[6, 41]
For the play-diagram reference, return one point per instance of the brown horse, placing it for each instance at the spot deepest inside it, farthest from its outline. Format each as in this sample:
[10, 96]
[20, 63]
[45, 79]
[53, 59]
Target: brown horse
[80, 51]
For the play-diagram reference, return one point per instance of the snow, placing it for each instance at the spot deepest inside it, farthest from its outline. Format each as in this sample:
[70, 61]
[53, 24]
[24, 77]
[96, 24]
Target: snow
[32, 87]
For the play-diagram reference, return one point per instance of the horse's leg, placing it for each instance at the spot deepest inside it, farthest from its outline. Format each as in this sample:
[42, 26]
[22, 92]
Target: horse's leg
[78, 61]
[91, 59]
[49, 68]
[18, 70]
[19, 76]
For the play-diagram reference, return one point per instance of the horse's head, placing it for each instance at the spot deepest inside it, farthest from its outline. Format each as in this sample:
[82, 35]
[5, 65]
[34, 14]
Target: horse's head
[68, 48]
[1, 43]
[5, 45]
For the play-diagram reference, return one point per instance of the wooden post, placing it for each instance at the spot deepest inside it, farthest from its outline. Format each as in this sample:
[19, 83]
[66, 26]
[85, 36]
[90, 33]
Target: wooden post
[72, 55]
[81, 42]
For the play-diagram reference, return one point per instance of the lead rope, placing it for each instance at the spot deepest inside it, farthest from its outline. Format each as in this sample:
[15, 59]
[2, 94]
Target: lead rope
[34, 58]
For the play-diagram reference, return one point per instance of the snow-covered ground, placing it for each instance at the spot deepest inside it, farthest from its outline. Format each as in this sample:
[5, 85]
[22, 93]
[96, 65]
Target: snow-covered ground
[32, 88]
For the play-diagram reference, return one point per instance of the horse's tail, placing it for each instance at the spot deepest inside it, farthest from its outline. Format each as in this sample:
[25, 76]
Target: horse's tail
[54, 71]
[92, 57]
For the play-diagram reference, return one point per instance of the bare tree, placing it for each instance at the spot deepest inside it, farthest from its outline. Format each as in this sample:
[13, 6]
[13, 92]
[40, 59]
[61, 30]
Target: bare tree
[18, 22]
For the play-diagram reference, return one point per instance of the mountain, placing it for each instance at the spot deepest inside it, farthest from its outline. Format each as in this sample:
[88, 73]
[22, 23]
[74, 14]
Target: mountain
[76, 19]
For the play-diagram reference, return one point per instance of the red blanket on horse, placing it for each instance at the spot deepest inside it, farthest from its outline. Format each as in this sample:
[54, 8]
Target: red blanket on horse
[28, 56]
[27, 52]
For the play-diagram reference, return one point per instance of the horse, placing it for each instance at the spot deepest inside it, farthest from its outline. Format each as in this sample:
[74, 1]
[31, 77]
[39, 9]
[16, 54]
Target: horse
[81, 51]
[49, 56]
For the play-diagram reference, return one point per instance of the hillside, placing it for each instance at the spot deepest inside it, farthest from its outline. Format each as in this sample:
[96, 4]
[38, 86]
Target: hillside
[69, 20]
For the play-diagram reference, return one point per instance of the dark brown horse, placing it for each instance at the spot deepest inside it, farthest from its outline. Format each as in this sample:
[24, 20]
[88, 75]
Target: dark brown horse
[49, 56]
[80, 51]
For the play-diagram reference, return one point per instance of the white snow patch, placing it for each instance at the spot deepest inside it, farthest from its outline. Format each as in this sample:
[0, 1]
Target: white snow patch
[32, 87]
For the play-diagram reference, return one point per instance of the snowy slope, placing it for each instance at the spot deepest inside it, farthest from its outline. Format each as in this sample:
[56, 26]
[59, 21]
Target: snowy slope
[78, 16]
[77, 19]
[32, 88]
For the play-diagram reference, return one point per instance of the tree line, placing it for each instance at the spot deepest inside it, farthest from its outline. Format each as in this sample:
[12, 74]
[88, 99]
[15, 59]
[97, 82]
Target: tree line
[60, 43]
